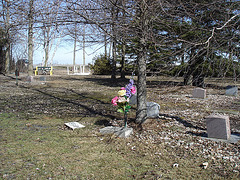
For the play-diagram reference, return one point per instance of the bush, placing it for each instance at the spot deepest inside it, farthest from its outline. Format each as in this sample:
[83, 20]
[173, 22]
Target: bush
[101, 66]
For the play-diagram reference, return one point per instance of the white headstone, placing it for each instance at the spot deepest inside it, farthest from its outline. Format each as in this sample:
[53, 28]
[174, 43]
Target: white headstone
[218, 126]
[199, 93]
[153, 109]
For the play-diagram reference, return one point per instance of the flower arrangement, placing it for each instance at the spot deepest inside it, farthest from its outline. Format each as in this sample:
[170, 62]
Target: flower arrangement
[122, 100]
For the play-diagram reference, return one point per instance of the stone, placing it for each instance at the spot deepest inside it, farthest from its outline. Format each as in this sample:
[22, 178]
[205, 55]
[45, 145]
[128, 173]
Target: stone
[29, 79]
[133, 99]
[204, 165]
[42, 78]
[199, 93]
[153, 109]
[118, 131]
[231, 90]
[218, 126]
[175, 165]
[74, 125]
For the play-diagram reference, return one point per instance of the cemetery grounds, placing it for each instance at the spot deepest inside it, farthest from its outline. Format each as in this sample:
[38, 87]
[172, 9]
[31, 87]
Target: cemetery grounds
[35, 144]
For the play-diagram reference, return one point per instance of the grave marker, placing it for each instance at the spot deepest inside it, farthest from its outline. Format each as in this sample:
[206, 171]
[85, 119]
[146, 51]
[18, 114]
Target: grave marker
[153, 109]
[231, 90]
[218, 127]
[199, 93]
[74, 125]
[42, 78]
[133, 99]
[30, 79]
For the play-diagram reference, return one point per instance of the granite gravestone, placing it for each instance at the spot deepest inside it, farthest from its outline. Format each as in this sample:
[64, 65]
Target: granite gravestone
[29, 79]
[199, 93]
[218, 126]
[133, 99]
[231, 90]
[42, 78]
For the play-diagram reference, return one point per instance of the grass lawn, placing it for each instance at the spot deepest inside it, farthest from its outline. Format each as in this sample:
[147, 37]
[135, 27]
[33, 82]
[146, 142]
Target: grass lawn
[36, 145]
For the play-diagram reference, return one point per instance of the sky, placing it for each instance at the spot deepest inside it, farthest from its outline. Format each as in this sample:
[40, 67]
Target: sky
[64, 55]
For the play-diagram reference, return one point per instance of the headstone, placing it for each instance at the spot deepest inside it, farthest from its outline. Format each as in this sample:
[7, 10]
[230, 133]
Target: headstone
[29, 79]
[74, 125]
[218, 126]
[153, 109]
[118, 131]
[133, 99]
[231, 90]
[42, 78]
[199, 93]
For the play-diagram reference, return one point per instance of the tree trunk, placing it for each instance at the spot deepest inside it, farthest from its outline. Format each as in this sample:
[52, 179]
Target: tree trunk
[7, 52]
[47, 42]
[141, 114]
[30, 39]
[123, 61]
[114, 55]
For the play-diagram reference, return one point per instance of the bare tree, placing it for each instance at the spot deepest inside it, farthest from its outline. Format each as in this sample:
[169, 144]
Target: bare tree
[30, 38]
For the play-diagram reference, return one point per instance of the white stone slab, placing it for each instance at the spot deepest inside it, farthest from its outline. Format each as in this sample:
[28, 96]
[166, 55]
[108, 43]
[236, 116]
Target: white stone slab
[74, 125]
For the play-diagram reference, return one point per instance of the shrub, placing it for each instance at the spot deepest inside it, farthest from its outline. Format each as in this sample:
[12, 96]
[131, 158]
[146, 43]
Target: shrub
[101, 66]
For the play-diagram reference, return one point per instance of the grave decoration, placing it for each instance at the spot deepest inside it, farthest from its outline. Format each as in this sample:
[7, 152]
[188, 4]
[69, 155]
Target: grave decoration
[122, 100]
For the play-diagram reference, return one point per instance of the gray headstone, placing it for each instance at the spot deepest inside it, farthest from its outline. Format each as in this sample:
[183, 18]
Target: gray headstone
[231, 90]
[218, 126]
[199, 93]
[42, 78]
[133, 99]
[118, 131]
[153, 109]
[29, 79]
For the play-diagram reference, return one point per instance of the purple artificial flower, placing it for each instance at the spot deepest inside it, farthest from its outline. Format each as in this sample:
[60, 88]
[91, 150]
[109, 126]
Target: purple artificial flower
[131, 81]
[129, 88]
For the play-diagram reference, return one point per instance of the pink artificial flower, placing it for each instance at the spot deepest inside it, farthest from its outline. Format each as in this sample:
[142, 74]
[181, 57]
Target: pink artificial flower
[133, 90]
[123, 88]
[114, 101]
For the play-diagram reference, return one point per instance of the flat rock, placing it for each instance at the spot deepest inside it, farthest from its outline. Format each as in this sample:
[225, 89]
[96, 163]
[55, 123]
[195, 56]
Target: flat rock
[118, 131]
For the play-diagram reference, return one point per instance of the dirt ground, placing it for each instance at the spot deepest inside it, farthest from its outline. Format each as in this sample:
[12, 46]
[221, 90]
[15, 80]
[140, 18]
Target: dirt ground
[181, 125]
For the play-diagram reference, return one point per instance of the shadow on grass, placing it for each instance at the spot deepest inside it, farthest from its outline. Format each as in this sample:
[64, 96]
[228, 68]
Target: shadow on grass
[107, 81]
[184, 122]
[92, 111]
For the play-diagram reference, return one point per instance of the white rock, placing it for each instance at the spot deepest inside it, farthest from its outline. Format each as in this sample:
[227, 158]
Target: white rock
[175, 165]
[205, 165]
